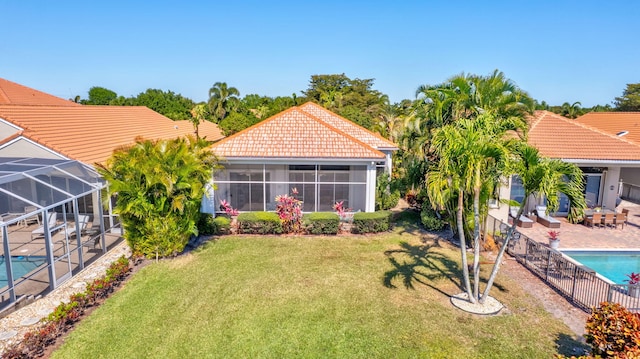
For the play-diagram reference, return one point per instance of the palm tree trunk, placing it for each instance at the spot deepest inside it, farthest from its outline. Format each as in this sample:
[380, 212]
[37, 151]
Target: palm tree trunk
[463, 246]
[496, 265]
[476, 238]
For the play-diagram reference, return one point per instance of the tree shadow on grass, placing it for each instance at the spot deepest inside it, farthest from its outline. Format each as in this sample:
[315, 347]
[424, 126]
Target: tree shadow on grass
[421, 264]
[570, 346]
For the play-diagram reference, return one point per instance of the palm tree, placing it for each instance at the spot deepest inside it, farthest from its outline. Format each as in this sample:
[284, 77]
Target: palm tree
[542, 177]
[571, 110]
[222, 100]
[159, 186]
[472, 156]
[198, 114]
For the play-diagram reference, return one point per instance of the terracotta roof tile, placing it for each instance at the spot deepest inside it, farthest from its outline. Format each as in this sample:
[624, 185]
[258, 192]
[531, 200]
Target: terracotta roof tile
[371, 138]
[559, 137]
[12, 93]
[91, 133]
[295, 133]
[614, 123]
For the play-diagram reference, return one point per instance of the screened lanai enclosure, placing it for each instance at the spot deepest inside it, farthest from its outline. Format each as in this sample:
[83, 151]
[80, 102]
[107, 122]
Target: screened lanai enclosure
[53, 222]
[253, 187]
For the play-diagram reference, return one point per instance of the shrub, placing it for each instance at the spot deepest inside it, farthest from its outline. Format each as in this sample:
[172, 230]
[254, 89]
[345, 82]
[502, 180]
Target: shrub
[371, 222]
[430, 220]
[289, 209]
[613, 330]
[206, 227]
[222, 224]
[385, 197]
[259, 223]
[159, 186]
[322, 223]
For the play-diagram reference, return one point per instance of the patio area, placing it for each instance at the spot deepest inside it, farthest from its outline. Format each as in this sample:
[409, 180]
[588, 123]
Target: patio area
[578, 236]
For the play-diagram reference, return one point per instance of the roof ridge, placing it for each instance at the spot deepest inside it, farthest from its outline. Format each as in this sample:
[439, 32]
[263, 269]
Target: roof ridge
[340, 132]
[331, 113]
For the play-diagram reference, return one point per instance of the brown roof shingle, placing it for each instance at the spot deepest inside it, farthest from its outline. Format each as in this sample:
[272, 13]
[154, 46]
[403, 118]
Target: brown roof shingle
[295, 133]
[559, 137]
[12, 93]
[371, 138]
[614, 123]
[91, 133]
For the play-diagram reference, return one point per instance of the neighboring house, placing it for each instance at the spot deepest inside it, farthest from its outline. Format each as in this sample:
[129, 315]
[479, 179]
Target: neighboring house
[36, 124]
[601, 155]
[625, 125]
[325, 157]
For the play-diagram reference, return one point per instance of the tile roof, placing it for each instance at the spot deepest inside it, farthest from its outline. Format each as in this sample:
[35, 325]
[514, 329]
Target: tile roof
[91, 133]
[296, 133]
[12, 93]
[559, 137]
[614, 122]
[371, 138]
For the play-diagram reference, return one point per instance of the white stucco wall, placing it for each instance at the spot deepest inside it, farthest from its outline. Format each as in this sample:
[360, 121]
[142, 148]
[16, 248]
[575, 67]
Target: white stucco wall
[24, 148]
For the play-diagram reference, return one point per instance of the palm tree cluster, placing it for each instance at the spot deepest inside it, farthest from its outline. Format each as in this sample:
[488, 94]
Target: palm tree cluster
[465, 138]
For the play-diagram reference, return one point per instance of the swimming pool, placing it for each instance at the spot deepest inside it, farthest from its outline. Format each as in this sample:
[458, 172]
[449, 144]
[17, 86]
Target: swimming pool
[614, 265]
[21, 265]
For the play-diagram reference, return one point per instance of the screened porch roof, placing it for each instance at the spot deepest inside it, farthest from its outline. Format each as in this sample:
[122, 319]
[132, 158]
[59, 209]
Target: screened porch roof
[43, 183]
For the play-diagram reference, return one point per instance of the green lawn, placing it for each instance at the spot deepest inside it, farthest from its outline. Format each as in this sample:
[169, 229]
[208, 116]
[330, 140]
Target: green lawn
[316, 297]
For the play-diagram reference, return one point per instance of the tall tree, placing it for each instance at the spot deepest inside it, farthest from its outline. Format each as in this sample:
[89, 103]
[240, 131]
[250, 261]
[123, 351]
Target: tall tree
[100, 96]
[542, 178]
[630, 99]
[198, 114]
[222, 100]
[354, 99]
[571, 110]
[169, 104]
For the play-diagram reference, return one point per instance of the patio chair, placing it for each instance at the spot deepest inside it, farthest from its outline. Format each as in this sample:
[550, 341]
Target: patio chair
[523, 221]
[594, 220]
[626, 214]
[83, 220]
[607, 220]
[51, 220]
[33, 219]
[546, 220]
[620, 219]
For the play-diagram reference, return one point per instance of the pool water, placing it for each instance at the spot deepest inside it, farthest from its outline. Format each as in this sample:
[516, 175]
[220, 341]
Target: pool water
[614, 265]
[21, 265]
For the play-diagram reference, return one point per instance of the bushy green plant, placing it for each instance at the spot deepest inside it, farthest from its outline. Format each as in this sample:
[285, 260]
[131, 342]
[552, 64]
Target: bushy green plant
[259, 223]
[386, 198]
[322, 223]
[430, 220]
[206, 226]
[371, 222]
[159, 186]
[222, 224]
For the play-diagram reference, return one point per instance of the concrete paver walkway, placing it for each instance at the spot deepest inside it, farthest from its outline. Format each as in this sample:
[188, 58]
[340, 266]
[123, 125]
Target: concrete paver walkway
[574, 236]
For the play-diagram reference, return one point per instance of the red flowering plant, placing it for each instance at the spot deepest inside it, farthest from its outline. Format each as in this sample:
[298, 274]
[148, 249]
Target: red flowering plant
[553, 235]
[634, 278]
[226, 207]
[343, 212]
[289, 209]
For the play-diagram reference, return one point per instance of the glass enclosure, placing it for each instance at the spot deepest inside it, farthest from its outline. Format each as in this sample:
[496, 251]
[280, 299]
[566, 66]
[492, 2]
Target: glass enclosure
[52, 224]
[254, 187]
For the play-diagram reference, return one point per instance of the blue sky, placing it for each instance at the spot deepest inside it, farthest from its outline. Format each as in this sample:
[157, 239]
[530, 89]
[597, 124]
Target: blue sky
[557, 51]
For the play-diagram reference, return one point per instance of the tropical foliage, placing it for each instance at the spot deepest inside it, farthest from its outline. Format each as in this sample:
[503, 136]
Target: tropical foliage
[630, 99]
[159, 186]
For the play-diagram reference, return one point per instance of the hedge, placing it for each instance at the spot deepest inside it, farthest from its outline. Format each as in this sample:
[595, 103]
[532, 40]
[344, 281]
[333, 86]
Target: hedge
[321, 223]
[371, 222]
[223, 225]
[259, 223]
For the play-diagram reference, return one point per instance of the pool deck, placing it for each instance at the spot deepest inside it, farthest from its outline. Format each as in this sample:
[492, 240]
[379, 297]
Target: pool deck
[579, 236]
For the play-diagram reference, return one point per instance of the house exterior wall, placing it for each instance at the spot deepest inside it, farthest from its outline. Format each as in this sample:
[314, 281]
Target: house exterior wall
[610, 188]
[24, 148]
[7, 130]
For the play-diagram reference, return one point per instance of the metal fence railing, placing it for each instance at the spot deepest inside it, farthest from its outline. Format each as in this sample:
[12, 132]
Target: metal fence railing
[581, 285]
